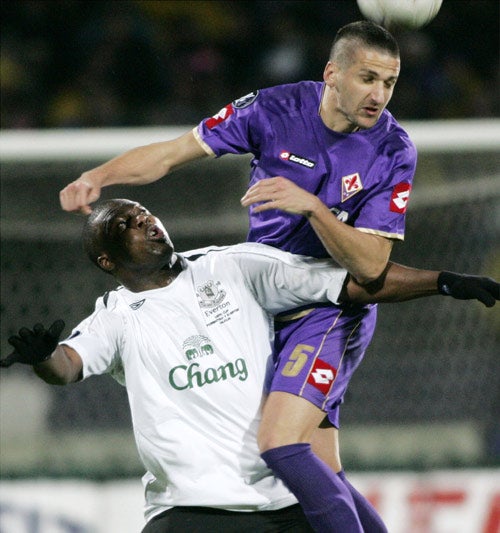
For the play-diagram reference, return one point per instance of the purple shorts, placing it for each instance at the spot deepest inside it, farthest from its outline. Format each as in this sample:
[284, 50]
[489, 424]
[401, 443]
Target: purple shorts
[317, 354]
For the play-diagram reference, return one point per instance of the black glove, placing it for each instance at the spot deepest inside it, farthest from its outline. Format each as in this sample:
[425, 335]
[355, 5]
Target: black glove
[465, 287]
[33, 347]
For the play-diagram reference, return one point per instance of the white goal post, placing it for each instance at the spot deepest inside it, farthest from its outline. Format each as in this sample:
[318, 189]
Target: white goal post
[430, 137]
[471, 147]
[96, 143]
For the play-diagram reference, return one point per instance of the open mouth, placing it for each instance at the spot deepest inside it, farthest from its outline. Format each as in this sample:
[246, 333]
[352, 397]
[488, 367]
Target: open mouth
[371, 111]
[155, 233]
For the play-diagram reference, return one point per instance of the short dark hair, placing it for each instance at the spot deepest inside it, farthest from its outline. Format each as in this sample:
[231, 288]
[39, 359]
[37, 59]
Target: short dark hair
[94, 235]
[364, 33]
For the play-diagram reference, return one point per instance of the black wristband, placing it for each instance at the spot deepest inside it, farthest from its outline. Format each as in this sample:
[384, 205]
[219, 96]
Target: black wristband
[445, 282]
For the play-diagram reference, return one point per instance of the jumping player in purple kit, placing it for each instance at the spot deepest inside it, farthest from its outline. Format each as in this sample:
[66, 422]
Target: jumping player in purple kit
[360, 163]
[331, 175]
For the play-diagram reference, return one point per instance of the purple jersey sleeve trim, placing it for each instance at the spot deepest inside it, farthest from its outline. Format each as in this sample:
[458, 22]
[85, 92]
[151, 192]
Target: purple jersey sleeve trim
[202, 143]
[387, 234]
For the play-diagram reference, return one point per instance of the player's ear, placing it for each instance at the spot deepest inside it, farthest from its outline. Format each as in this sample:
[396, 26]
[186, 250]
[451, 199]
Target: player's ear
[330, 73]
[105, 262]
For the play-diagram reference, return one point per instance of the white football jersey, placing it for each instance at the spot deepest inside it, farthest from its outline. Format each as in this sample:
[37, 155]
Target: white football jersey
[193, 356]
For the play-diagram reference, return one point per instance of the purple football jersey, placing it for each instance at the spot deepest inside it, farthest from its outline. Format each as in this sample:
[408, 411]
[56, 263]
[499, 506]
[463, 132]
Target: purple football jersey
[364, 177]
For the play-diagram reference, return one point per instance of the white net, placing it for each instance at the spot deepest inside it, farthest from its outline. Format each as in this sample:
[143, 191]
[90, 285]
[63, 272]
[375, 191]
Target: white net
[433, 361]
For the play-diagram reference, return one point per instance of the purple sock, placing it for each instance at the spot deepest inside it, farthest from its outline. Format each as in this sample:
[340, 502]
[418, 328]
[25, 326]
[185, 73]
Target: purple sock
[370, 519]
[325, 500]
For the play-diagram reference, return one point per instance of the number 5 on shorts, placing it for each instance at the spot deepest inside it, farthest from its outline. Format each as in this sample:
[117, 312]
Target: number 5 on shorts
[297, 360]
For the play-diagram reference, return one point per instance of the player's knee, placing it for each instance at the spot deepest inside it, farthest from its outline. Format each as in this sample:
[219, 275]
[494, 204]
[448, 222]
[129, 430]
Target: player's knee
[268, 442]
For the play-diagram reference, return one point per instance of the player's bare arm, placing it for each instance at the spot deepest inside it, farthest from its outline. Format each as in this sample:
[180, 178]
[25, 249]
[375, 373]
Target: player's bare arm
[63, 367]
[365, 256]
[139, 166]
[397, 283]
[400, 283]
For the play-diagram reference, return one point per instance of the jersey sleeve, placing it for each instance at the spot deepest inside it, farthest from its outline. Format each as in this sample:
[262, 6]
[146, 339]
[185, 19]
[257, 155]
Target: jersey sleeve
[384, 210]
[281, 281]
[97, 341]
[235, 129]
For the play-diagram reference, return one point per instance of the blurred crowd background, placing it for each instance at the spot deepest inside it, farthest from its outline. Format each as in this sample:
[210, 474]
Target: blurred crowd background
[83, 63]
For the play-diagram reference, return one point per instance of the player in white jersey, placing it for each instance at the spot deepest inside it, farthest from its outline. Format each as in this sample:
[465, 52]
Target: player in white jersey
[190, 336]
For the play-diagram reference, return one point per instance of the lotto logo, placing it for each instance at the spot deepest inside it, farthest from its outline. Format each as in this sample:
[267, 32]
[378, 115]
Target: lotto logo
[399, 198]
[322, 376]
[288, 156]
[224, 113]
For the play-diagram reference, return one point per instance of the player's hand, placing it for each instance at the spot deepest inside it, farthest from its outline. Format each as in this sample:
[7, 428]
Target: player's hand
[280, 193]
[33, 346]
[466, 287]
[78, 195]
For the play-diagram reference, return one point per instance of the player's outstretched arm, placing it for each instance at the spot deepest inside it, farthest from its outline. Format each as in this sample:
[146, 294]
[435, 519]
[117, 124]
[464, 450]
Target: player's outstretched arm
[400, 283]
[364, 255]
[138, 166]
[39, 348]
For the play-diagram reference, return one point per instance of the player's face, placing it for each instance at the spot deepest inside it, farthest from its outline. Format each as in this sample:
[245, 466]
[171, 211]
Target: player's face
[135, 238]
[362, 90]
